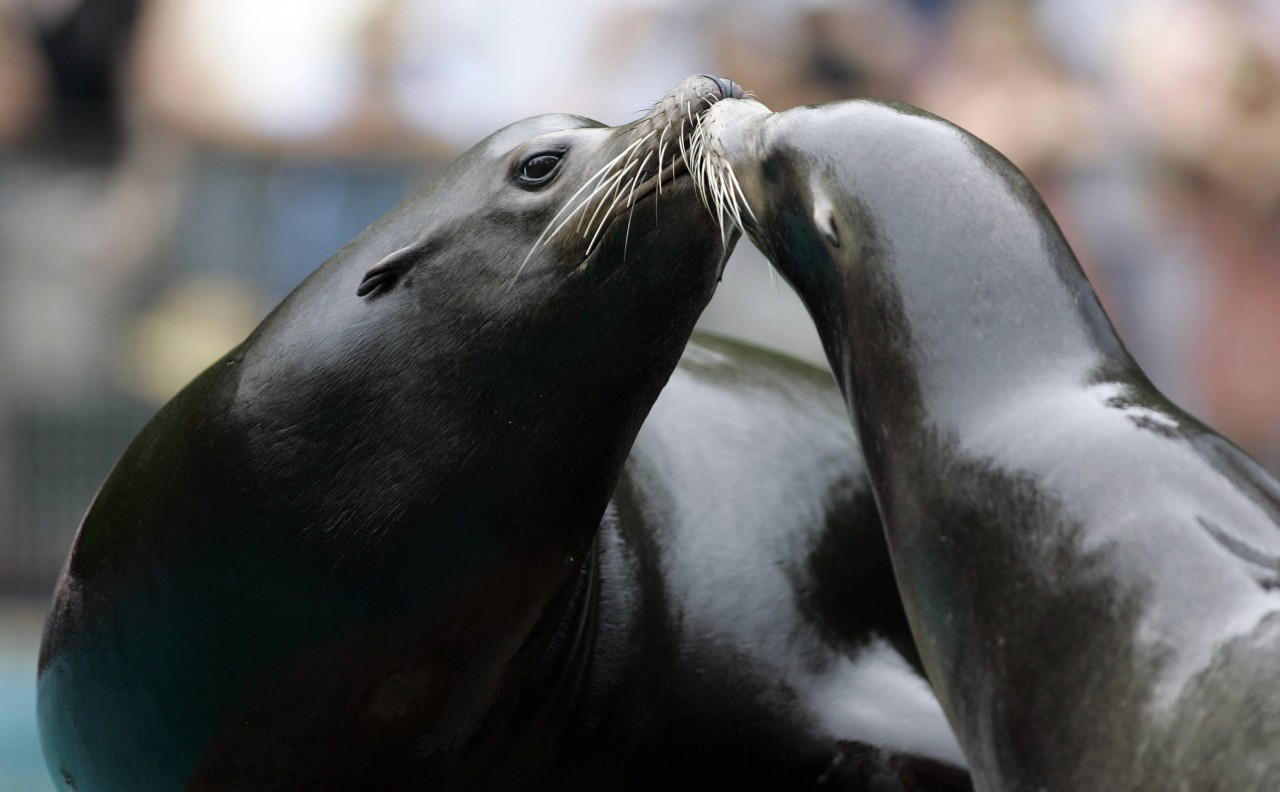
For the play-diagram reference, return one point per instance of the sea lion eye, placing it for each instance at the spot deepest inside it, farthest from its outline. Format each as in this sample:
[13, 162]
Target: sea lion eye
[538, 169]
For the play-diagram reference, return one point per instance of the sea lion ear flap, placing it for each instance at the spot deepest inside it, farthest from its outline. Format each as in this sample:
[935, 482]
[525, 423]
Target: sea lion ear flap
[824, 219]
[386, 273]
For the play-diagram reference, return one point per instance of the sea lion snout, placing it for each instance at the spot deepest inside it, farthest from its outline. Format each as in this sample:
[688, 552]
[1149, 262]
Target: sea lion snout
[728, 88]
[694, 95]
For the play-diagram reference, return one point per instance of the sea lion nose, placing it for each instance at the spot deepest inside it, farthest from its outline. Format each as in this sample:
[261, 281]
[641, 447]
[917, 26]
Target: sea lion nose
[728, 88]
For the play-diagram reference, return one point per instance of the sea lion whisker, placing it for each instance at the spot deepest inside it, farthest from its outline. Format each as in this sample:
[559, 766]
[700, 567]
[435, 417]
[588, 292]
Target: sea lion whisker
[714, 169]
[636, 179]
[724, 207]
[700, 152]
[726, 198]
[569, 208]
[742, 198]
[605, 173]
[595, 183]
[697, 162]
[631, 206]
[732, 207]
[618, 195]
[606, 203]
[620, 164]
[717, 182]
[604, 221]
[723, 218]
[684, 155]
[603, 189]
[725, 174]
[662, 145]
[621, 186]
[632, 159]
[705, 181]
[609, 196]
[702, 166]
[600, 182]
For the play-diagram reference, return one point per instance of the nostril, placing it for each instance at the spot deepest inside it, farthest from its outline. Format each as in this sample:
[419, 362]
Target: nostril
[728, 88]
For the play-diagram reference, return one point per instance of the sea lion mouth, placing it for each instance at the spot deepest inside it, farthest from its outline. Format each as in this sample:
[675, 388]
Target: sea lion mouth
[655, 158]
[722, 133]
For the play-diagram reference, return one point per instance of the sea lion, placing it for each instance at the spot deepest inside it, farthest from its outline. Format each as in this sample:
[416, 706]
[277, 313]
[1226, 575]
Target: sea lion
[334, 560]
[1092, 575]
[362, 551]
[746, 632]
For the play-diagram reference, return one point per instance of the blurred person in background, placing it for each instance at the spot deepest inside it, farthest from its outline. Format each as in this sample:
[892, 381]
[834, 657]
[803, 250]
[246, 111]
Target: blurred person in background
[23, 93]
[23, 80]
[60, 290]
[1203, 85]
[1182, 210]
[63, 298]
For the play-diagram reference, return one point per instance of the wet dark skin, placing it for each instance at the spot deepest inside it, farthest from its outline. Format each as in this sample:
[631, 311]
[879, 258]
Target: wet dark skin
[333, 560]
[747, 631]
[1091, 574]
[389, 542]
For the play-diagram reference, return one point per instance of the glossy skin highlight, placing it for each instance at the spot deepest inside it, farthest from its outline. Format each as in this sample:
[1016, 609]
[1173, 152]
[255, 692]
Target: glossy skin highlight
[1091, 574]
[747, 633]
[337, 557]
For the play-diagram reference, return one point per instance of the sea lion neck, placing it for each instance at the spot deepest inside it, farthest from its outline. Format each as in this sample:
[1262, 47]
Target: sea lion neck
[939, 219]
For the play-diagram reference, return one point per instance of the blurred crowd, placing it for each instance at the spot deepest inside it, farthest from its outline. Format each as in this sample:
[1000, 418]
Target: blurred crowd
[169, 169]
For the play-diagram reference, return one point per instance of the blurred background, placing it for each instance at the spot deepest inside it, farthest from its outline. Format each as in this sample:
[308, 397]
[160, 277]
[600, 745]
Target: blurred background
[170, 169]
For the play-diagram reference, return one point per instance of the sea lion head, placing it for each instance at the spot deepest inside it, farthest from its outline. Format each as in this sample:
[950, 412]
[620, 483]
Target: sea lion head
[767, 174]
[549, 276]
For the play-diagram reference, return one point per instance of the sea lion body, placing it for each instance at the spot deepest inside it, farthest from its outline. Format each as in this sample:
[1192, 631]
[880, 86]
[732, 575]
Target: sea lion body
[1091, 574]
[747, 633]
[335, 558]
[380, 546]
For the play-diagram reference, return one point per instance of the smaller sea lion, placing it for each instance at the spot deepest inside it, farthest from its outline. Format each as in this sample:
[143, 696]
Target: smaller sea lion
[1091, 574]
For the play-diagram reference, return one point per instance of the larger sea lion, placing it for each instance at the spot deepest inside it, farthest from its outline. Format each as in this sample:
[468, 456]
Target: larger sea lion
[370, 548]
[1091, 574]
[335, 558]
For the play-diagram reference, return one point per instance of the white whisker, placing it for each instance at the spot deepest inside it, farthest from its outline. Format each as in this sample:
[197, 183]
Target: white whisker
[625, 154]
[631, 198]
[616, 187]
[662, 145]
[604, 221]
[609, 196]
[601, 192]
[593, 179]
[581, 206]
[570, 209]
[635, 181]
